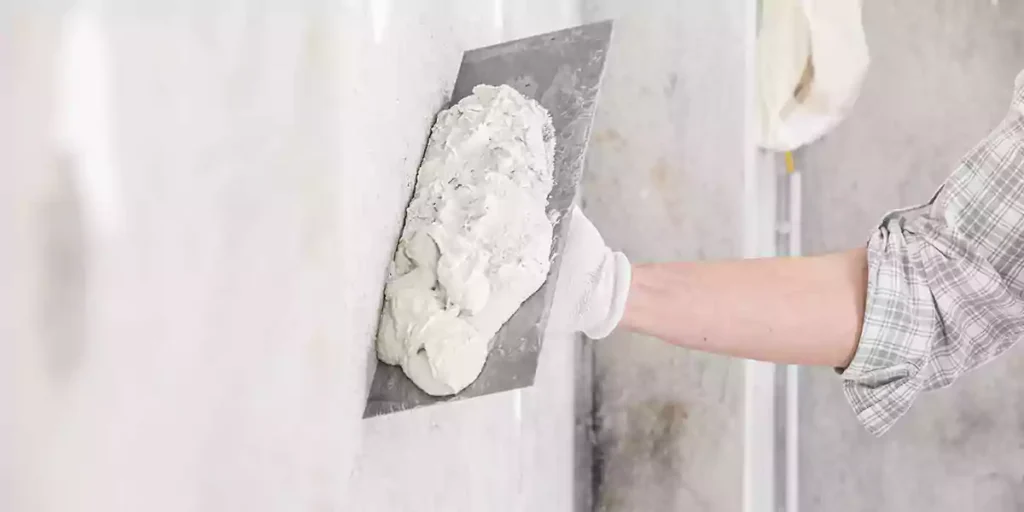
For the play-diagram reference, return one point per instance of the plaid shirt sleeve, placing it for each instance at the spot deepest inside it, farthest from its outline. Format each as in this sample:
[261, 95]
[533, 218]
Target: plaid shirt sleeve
[945, 281]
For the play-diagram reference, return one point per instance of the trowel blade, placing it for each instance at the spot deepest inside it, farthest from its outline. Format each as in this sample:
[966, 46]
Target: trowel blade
[562, 70]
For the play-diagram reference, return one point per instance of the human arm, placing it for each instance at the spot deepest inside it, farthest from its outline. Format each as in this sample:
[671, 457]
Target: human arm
[943, 291]
[784, 310]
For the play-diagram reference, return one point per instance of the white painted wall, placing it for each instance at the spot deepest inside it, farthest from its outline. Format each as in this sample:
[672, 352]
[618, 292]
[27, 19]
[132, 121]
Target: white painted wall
[199, 204]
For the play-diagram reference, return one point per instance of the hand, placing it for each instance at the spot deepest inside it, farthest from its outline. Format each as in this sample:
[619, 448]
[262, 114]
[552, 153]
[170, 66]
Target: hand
[593, 281]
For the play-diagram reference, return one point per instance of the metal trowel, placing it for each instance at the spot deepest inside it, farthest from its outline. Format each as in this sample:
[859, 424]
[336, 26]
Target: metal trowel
[562, 71]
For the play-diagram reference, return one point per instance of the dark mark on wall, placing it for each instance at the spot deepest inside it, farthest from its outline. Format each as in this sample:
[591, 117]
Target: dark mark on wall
[670, 87]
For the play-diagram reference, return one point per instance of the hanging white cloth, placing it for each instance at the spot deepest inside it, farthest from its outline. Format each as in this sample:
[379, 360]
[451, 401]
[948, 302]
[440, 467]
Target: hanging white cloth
[811, 60]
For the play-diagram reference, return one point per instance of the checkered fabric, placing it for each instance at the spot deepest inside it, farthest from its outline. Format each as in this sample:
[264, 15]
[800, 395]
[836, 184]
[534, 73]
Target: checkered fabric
[945, 281]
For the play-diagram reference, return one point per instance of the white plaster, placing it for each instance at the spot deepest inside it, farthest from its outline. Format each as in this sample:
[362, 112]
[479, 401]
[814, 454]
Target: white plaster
[476, 241]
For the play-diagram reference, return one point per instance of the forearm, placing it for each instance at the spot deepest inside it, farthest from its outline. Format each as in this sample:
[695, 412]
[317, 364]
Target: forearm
[786, 310]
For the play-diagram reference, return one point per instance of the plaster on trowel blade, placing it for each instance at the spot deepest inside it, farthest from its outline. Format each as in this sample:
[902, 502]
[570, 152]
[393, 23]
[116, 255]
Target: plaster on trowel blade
[561, 70]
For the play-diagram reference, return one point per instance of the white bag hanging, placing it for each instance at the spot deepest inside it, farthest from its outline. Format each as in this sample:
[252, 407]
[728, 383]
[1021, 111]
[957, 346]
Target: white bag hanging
[811, 60]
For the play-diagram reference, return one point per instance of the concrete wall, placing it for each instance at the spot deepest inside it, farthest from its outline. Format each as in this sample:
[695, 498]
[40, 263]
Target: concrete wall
[665, 182]
[941, 77]
[202, 200]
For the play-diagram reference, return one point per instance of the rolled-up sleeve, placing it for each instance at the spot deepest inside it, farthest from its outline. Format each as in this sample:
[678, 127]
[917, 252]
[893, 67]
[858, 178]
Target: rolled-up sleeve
[945, 281]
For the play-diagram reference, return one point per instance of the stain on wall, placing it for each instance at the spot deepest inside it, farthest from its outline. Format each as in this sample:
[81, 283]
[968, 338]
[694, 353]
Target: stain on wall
[663, 183]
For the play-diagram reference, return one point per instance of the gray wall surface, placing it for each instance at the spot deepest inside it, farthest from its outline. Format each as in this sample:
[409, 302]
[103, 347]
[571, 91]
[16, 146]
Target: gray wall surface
[940, 78]
[664, 181]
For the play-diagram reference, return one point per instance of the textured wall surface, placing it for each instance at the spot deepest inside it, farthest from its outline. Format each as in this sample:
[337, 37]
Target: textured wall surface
[664, 182]
[941, 77]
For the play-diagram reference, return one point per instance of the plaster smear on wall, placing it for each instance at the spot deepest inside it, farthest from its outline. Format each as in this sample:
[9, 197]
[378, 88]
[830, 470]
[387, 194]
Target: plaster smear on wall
[476, 241]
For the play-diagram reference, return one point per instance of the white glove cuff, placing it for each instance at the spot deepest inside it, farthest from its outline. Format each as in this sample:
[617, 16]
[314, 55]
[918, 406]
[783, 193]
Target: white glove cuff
[622, 274]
